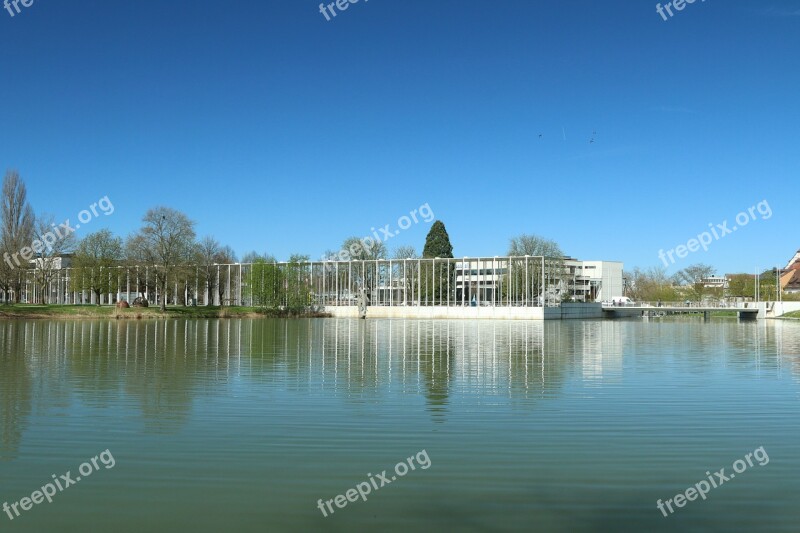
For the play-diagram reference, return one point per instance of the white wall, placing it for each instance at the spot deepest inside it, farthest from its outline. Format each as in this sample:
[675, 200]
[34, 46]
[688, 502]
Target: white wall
[440, 312]
[781, 308]
[609, 273]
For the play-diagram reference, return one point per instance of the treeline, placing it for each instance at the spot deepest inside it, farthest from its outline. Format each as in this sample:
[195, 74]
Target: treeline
[166, 247]
[166, 258]
[654, 284]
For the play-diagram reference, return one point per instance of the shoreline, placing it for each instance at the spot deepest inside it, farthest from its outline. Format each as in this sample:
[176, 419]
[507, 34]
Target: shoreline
[93, 312]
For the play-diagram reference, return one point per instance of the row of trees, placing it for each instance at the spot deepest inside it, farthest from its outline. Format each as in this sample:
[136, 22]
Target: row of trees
[25, 235]
[168, 246]
[654, 284]
[166, 242]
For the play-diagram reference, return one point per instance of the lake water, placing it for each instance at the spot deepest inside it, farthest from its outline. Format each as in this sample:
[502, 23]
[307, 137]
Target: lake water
[243, 425]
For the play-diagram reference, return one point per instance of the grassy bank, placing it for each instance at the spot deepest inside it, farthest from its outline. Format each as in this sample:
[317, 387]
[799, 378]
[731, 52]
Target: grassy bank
[111, 312]
[794, 314]
[725, 314]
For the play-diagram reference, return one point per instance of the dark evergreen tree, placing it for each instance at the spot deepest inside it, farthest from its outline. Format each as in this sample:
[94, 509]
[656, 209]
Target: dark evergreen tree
[437, 243]
[439, 281]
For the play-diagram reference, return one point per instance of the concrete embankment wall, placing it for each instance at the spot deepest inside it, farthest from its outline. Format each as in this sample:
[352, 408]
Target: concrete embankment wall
[781, 308]
[441, 312]
[575, 311]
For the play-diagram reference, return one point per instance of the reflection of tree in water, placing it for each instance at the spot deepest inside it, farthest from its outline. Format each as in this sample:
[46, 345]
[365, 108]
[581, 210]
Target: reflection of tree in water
[161, 365]
[436, 352]
[362, 361]
[16, 384]
[167, 364]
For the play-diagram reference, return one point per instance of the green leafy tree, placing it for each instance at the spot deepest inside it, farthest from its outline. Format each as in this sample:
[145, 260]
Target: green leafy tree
[265, 282]
[298, 283]
[95, 255]
[741, 286]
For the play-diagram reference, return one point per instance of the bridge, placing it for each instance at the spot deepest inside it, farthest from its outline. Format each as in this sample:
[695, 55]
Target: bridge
[749, 311]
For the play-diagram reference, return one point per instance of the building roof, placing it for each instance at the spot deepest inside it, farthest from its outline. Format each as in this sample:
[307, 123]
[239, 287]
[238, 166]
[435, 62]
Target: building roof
[791, 280]
[794, 262]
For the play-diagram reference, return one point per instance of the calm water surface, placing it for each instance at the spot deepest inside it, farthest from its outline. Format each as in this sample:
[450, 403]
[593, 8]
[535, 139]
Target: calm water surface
[243, 425]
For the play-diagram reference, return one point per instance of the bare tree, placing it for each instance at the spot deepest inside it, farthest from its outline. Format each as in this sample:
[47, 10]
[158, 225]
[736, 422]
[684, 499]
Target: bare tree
[361, 249]
[405, 252]
[16, 233]
[534, 245]
[165, 242]
[50, 247]
[555, 272]
[406, 272]
[694, 274]
[691, 279]
[651, 285]
[208, 256]
[253, 256]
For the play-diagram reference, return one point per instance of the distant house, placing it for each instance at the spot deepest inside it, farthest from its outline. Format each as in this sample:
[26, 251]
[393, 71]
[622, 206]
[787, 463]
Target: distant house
[790, 279]
[794, 261]
[54, 263]
[790, 282]
[715, 282]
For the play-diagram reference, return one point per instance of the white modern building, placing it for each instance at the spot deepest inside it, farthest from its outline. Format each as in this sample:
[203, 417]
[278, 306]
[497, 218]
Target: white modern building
[481, 280]
[594, 281]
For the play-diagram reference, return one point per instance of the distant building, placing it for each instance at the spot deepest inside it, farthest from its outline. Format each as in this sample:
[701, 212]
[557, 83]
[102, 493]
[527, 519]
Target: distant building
[793, 261]
[595, 281]
[790, 278]
[54, 263]
[583, 281]
[790, 282]
[715, 282]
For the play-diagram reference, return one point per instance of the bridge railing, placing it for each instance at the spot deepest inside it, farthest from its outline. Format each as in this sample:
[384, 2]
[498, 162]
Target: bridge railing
[688, 305]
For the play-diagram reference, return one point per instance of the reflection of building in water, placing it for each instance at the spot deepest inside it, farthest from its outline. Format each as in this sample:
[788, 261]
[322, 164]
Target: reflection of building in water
[787, 343]
[161, 368]
[600, 346]
[400, 354]
[439, 359]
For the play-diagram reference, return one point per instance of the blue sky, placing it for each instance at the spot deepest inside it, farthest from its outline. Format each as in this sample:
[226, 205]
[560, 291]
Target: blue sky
[279, 131]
